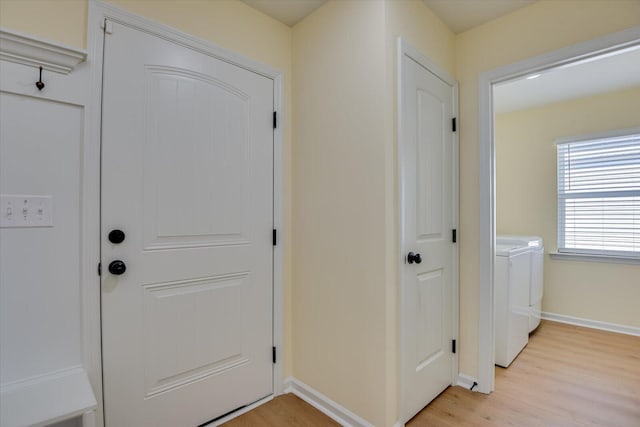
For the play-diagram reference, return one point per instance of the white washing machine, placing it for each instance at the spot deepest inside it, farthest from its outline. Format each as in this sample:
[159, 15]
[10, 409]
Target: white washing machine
[512, 270]
[536, 275]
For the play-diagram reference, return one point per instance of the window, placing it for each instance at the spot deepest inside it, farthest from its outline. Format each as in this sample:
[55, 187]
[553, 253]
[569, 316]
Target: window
[599, 195]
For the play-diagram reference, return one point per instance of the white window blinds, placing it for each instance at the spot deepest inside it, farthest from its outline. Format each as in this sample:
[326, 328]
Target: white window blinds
[599, 196]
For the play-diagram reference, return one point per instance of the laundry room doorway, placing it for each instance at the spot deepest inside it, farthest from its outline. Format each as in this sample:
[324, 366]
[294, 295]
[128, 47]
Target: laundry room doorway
[520, 190]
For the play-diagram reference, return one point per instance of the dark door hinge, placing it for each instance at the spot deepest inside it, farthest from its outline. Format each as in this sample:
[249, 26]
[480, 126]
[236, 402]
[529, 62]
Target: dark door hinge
[453, 124]
[273, 349]
[275, 119]
[275, 237]
[99, 269]
[454, 235]
[453, 346]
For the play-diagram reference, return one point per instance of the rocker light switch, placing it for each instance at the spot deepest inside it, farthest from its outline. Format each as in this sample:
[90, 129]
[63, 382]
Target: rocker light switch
[25, 211]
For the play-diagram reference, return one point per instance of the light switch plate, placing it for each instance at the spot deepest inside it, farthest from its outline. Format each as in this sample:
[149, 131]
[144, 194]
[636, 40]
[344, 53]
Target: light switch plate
[21, 210]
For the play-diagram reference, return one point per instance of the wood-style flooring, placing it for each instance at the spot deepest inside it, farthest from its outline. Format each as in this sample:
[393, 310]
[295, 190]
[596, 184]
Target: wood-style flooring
[567, 376]
[284, 410]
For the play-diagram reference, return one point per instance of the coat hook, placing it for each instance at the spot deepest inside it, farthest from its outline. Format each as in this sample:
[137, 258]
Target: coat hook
[40, 83]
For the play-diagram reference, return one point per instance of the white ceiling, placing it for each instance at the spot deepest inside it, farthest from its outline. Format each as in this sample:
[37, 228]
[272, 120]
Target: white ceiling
[289, 12]
[462, 15]
[459, 15]
[604, 74]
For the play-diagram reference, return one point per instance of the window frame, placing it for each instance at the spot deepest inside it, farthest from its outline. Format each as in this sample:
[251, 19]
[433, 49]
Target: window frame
[589, 254]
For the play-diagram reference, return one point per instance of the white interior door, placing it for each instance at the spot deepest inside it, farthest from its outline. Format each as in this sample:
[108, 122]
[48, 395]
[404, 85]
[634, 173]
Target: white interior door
[426, 155]
[187, 176]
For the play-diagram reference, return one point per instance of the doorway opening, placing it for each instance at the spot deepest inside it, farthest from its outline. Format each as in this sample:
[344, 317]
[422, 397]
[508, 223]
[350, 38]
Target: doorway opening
[491, 81]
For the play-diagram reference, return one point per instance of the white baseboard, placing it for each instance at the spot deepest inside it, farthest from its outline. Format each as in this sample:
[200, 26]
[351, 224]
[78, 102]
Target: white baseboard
[594, 324]
[467, 382]
[325, 405]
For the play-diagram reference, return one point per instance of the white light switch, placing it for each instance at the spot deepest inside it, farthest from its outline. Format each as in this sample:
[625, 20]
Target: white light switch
[25, 211]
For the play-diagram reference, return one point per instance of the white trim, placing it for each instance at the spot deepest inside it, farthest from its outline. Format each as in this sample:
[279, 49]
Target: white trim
[455, 276]
[610, 134]
[37, 52]
[99, 11]
[89, 419]
[335, 411]
[467, 381]
[593, 324]
[239, 412]
[611, 259]
[400, 213]
[405, 49]
[278, 223]
[579, 52]
[91, 211]
[51, 398]
[486, 346]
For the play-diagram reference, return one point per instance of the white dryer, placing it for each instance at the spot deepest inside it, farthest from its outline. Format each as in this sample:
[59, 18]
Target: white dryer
[512, 268]
[536, 274]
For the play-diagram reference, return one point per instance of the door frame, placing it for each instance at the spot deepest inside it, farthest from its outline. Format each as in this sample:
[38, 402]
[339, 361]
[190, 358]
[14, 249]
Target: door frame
[405, 49]
[97, 13]
[562, 57]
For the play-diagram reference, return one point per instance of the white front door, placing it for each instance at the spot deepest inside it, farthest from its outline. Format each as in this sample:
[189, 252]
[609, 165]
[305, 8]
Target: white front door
[187, 177]
[426, 155]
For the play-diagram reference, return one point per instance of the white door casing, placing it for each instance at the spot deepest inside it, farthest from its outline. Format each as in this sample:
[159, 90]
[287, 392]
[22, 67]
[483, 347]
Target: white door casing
[428, 206]
[187, 174]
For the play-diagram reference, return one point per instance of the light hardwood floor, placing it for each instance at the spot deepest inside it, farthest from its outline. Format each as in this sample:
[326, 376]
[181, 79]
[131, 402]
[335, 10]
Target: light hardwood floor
[285, 410]
[567, 376]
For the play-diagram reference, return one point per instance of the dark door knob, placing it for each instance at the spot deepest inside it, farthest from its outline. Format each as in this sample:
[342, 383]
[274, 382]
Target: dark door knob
[411, 258]
[116, 236]
[117, 267]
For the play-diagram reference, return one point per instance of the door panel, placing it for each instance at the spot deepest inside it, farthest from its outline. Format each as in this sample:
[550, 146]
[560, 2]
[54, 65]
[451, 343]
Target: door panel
[187, 174]
[427, 198]
[429, 337]
[211, 121]
[429, 181]
[201, 314]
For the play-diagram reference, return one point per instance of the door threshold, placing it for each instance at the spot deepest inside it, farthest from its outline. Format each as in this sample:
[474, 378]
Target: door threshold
[236, 412]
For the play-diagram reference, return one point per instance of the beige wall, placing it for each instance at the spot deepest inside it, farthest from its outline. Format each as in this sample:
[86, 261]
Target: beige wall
[227, 23]
[419, 26]
[339, 205]
[543, 27]
[527, 201]
[63, 21]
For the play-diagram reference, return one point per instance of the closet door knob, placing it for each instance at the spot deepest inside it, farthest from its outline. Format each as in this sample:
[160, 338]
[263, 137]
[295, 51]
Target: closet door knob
[411, 258]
